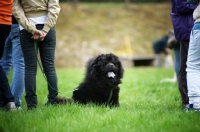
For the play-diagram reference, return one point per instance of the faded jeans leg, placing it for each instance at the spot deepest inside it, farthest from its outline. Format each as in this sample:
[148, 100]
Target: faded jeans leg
[193, 68]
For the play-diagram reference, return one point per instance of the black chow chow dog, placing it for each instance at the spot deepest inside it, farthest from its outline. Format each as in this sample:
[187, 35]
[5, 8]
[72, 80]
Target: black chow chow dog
[100, 86]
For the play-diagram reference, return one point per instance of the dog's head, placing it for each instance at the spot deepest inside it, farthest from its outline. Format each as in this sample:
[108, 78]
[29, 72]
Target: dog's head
[105, 69]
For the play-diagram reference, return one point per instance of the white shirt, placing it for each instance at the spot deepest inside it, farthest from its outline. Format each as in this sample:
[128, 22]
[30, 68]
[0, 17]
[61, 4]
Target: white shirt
[36, 20]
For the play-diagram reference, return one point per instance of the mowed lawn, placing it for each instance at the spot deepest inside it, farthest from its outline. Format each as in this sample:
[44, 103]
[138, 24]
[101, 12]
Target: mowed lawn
[146, 105]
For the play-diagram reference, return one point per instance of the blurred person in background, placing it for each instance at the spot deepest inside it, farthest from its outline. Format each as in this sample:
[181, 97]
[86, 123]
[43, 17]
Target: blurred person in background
[174, 45]
[159, 47]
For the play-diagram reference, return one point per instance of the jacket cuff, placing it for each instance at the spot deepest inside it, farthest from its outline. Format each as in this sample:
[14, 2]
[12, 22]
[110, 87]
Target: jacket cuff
[46, 28]
[33, 31]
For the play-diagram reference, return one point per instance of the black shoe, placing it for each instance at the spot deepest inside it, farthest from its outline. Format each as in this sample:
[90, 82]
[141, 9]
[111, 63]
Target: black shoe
[60, 101]
[32, 108]
[185, 107]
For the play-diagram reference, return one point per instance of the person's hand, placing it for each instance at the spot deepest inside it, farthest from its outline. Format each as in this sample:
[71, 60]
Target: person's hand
[44, 35]
[39, 35]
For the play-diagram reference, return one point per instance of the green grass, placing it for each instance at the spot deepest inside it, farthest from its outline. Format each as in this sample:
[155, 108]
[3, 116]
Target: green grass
[146, 105]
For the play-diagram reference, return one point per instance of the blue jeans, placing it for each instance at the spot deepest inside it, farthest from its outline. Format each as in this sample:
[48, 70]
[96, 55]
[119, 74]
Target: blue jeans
[5, 93]
[193, 67]
[13, 56]
[47, 54]
[177, 60]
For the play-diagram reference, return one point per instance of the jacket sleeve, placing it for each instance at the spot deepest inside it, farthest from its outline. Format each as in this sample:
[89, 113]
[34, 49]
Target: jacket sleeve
[19, 14]
[184, 8]
[53, 12]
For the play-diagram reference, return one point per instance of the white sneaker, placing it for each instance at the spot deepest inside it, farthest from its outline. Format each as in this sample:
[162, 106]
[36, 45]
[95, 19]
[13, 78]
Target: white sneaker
[10, 106]
[19, 108]
[196, 106]
[192, 107]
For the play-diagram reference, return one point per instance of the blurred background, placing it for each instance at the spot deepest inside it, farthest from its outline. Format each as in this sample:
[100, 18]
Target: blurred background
[127, 28]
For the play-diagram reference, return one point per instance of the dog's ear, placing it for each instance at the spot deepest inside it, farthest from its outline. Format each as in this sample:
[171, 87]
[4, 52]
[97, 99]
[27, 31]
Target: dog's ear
[94, 73]
[92, 69]
[120, 71]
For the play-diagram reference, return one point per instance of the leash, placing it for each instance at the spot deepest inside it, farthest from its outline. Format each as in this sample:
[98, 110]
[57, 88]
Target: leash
[36, 47]
[111, 93]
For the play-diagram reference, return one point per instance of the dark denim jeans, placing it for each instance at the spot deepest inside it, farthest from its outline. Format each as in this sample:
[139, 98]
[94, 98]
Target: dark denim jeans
[182, 82]
[47, 53]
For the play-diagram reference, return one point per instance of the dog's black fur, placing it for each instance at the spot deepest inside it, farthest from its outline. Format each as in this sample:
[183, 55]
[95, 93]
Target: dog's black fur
[97, 86]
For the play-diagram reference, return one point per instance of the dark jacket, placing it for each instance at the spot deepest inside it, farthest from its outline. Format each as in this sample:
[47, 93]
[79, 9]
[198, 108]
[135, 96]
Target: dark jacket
[182, 19]
[160, 45]
[14, 21]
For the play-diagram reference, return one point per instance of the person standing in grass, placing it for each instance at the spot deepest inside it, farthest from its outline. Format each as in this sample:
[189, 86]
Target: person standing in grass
[37, 21]
[193, 63]
[182, 21]
[6, 96]
[174, 45]
[13, 56]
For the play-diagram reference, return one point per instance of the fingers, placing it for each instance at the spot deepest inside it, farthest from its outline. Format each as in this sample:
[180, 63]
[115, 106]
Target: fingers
[39, 35]
[35, 36]
[43, 35]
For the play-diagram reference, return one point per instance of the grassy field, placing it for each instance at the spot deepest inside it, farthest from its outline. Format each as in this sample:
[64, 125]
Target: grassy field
[146, 105]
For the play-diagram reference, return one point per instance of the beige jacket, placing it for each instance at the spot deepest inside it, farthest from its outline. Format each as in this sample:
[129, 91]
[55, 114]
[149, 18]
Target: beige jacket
[23, 9]
[196, 14]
